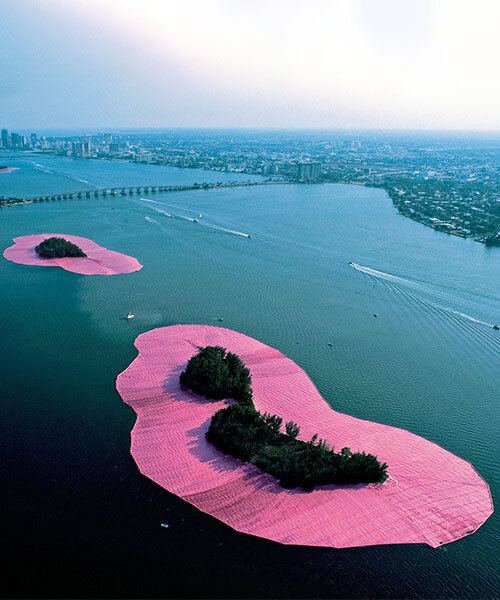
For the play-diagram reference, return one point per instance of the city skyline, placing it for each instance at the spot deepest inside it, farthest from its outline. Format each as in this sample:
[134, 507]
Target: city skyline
[335, 65]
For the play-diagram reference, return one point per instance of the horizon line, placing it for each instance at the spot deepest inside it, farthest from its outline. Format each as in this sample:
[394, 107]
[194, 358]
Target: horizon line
[100, 128]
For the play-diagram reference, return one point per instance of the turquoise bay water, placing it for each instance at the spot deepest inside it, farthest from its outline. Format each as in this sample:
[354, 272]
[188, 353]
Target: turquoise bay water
[79, 516]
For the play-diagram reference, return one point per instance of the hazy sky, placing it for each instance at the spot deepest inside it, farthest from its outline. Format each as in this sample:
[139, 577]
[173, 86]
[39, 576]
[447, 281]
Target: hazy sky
[431, 64]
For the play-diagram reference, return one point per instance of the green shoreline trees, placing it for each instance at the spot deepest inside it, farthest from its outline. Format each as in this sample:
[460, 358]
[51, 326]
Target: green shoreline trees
[57, 247]
[245, 433]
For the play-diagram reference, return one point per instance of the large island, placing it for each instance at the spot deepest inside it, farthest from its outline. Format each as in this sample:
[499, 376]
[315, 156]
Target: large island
[430, 496]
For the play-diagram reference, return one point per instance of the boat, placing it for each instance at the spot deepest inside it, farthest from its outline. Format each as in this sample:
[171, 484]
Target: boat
[130, 316]
[164, 525]
[496, 327]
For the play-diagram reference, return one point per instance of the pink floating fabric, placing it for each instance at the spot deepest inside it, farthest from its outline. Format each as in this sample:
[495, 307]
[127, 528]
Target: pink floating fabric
[431, 497]
[99, 260]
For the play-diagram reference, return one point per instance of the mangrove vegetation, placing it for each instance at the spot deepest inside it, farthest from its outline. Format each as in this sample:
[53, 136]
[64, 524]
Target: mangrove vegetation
[243, 432]
[57, 247]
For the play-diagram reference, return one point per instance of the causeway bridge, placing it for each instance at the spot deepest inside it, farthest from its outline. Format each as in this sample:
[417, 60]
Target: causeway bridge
[129, 191]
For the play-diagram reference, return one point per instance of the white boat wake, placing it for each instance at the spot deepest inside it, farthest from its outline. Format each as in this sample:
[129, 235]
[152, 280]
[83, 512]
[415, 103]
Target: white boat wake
[226, 230]
[380, 274]
[419, 287]
[469, 318]
[43, 169]
[194, 219]
[167, 214]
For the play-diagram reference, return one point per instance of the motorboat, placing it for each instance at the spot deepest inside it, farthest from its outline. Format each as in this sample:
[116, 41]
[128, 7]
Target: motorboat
[130, 316]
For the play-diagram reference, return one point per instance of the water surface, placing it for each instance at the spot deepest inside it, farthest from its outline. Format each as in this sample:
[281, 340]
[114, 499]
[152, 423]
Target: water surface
[78, 516]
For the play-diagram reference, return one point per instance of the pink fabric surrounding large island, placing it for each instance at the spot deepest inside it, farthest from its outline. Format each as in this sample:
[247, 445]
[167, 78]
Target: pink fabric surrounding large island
[99, 260]
[431, 497]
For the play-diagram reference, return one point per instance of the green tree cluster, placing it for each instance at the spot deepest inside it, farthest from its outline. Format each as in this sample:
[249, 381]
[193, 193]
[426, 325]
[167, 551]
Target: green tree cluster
[493, 240]
[57, 247]
[216, 373]
[245, 433]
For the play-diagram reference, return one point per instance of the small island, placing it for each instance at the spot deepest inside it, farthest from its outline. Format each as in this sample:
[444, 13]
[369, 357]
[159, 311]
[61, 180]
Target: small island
[6, 169]
[71, 253]
[58, 247]
[243, 432]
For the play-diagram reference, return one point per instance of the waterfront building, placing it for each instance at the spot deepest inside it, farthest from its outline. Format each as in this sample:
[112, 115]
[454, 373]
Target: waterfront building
[5, 138]
[306, 171]
[144, 157]
[77, 149]
[81, 149]
[16, 141]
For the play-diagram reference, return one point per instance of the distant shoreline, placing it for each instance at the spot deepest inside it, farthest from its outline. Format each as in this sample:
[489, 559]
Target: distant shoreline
[400, 207]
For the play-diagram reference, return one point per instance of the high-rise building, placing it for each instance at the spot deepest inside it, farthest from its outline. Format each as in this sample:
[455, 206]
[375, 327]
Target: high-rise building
[5, 138]
[307, 171]
[16, 140]
[78, 149]
[81, 149]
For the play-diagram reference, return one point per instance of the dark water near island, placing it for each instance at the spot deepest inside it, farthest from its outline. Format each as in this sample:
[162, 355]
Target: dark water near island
[78, 518]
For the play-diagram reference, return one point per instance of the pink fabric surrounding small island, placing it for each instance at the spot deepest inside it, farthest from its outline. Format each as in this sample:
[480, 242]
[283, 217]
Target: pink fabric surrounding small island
[99, 260]
[9, 170]
[431, 497]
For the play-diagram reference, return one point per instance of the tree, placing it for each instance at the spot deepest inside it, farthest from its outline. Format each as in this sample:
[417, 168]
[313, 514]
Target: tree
[292, 429]
[273, 422]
